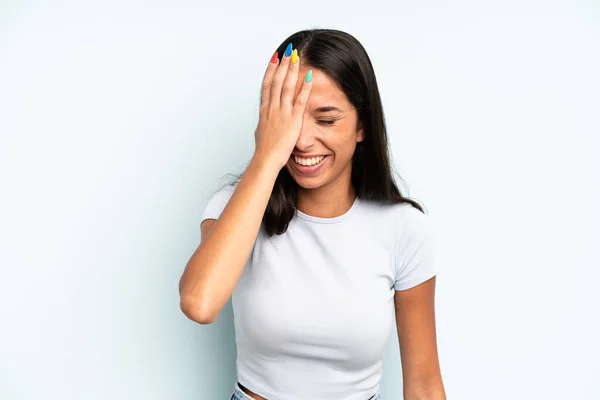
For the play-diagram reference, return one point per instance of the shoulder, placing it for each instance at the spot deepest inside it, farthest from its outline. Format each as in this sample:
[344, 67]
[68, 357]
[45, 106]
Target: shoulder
[223, 193]
[217, 202]
[403, 216]
[413, 228]
[415, 247]
[228, 188]
[414, 234]
[401, 225]
[412, 220]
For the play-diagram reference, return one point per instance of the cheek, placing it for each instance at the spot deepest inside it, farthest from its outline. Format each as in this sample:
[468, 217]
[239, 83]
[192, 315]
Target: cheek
[345, 143]
[343, 153]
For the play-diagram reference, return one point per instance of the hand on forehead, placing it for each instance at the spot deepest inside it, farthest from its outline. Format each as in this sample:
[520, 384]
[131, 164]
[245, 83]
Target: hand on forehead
[324, 92]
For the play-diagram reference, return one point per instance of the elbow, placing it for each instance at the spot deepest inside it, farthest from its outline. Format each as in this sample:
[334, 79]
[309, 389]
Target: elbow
[425, 389]
[197, 311]
[428, 394]
[433, 396]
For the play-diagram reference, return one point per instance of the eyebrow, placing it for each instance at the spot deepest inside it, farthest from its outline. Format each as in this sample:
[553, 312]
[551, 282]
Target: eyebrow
[326, 109]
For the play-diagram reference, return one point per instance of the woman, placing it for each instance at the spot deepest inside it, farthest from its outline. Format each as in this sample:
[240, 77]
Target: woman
[317, 240]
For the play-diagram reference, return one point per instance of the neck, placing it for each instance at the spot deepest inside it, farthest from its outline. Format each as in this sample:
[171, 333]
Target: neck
[329, 201]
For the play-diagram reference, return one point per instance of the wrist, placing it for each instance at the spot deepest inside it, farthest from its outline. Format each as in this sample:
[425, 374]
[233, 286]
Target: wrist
[266, 163]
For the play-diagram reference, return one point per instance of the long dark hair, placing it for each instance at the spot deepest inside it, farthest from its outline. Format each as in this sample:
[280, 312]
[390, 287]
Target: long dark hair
[344, 60]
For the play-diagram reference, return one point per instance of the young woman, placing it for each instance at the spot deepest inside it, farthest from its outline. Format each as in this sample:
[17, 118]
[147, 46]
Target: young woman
[317, 245]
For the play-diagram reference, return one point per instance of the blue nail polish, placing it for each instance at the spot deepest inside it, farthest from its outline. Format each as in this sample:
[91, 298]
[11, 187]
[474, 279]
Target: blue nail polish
[288, 50]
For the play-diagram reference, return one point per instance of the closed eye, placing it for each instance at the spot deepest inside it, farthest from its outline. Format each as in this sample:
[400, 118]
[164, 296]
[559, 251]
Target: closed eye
[326, 122]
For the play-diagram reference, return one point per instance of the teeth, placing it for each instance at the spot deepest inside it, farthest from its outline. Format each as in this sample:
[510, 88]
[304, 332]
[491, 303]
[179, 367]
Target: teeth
[309, 161]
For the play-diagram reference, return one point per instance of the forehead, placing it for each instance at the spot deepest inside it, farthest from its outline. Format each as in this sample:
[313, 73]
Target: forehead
[324, 90]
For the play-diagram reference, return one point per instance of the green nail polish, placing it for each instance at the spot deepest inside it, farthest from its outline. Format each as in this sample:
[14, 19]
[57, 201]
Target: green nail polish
[309, 76]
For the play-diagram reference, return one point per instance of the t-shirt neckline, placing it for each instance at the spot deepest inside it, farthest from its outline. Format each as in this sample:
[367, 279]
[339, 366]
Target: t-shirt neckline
[323, 220]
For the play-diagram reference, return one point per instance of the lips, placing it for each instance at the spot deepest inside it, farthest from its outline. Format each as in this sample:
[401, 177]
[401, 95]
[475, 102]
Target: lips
[309, 169]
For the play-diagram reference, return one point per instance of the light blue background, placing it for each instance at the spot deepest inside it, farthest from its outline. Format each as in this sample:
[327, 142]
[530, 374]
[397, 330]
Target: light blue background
[118, 119]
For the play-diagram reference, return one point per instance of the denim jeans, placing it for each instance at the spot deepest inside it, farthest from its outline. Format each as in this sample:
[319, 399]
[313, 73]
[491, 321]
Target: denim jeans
[239, 394]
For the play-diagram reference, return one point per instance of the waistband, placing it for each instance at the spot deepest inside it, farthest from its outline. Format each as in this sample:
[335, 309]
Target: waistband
[239, 394]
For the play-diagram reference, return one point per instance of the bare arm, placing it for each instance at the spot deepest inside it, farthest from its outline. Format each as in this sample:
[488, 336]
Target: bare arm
[212, 272]
[415, 321]
[215, 267]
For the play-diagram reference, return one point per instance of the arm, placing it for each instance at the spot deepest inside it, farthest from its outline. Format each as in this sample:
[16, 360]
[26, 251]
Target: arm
[212, 272]
[415, 322]
[215, 267]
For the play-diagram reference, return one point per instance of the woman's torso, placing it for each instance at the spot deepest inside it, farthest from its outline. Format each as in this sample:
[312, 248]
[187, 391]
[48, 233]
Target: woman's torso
[313, 308]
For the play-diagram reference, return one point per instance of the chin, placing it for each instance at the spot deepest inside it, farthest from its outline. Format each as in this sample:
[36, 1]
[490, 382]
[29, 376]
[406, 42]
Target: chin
[309, 183]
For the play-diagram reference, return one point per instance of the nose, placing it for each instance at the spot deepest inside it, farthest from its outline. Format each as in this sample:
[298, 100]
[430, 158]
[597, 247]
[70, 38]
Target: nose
[307, 137]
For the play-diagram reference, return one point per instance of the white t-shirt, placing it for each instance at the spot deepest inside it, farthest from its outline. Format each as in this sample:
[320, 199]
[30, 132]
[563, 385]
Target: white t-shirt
[314, 307]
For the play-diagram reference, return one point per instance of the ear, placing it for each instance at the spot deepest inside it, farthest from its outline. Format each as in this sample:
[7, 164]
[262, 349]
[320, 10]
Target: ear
[360, 135]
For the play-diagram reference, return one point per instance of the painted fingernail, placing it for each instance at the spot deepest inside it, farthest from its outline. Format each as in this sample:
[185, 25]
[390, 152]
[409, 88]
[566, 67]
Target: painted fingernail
[295, 56]
[309, 76]
[288, 50]
[274, 58]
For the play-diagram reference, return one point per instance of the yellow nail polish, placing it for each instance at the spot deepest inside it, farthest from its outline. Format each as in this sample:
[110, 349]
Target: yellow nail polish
[295, 56]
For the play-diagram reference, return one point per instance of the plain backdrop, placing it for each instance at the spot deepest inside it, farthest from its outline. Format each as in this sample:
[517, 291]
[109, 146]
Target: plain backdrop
[119, 119]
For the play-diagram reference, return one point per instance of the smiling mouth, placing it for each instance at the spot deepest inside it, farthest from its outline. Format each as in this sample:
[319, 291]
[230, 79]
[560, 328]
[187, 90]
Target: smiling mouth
[308, 162]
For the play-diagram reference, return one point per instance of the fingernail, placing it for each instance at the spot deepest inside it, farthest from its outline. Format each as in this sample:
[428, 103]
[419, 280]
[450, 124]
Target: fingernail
[295, 56]
[288, 50]
[309, 76]
[274, 58]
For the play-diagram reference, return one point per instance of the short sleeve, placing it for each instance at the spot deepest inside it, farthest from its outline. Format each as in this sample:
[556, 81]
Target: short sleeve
[415, 257]
[217, 203]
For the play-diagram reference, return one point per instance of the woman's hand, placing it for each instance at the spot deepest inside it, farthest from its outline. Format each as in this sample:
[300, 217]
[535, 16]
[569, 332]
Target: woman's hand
[280, 117]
